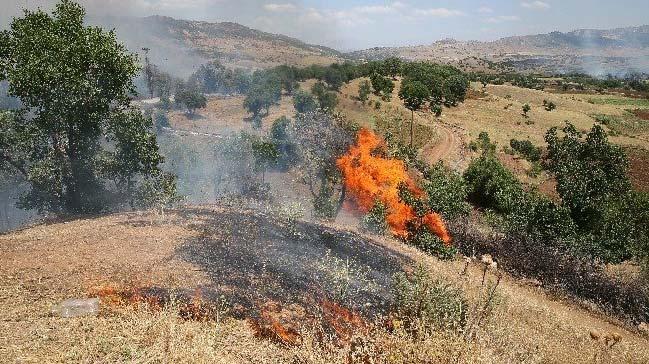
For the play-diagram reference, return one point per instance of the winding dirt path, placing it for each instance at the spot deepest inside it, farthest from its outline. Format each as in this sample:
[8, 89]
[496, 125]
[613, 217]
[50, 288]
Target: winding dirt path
[448, 147]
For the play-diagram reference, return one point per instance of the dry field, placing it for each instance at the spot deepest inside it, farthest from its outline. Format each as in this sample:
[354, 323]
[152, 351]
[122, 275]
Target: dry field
[201, 248]
[226, 115]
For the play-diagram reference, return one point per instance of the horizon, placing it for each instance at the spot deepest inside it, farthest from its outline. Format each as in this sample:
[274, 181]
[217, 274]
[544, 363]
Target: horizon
[362, 24]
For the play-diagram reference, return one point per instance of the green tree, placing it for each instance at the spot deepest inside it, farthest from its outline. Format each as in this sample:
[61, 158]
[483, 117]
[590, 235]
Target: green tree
[191, 99]
[304, 102]
[266, 156]
[413, 94]
[77, 142]
[326, 100]
[455, 89]
[266, 91]
[364, 90]
[392, 67]
[382, 86]
[593, 184]
[589, 170]
[526, 109]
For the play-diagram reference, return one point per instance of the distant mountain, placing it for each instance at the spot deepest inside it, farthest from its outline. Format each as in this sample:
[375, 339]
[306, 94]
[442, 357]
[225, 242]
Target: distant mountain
[594, 51]
[182, 45]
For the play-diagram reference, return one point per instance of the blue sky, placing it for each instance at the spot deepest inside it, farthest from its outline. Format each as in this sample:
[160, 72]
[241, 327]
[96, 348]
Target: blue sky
[359, 24]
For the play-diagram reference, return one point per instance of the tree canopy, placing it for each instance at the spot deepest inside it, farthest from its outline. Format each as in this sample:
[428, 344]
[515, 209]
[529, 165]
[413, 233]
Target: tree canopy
[77, 141]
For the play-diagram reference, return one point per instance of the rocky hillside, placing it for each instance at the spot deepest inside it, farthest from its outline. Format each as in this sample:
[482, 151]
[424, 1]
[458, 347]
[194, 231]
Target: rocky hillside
[594, 51]
[181, 45]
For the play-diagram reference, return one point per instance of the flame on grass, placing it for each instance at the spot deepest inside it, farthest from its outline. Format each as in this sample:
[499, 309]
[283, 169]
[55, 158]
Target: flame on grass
[370, 177]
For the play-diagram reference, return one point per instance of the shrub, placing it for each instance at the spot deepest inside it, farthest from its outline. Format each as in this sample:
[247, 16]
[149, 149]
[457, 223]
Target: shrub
[436, 109]
[549, 105]
[446, 191]
[526, 108]
[526, 149]
[425, 305]
[483, 143]
[491, 185]
[375, 220]
[304, 102]
[558, 269]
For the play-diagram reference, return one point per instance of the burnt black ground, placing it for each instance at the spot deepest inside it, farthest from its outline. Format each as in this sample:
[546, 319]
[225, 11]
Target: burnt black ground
[253, 258]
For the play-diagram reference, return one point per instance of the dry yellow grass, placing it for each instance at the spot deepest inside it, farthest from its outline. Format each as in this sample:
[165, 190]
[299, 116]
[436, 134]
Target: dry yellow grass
[225, 115]
[47, 263]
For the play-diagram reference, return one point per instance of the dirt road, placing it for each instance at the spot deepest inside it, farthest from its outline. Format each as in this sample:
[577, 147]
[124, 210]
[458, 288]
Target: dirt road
[448, 147]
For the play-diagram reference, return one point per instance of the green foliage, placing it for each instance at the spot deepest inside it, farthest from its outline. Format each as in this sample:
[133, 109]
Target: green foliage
[280, 135]
[455, 88]
[375, 220]
[549, 105]
[426, 305]
[266, 155]
[364, 90]
[446, 191]
[320, 139]
[326, 100]
[491, 185]
[191, 99]
[216, 78]
[304, 102]
[436, 109]
[526, 108]
[157, 192]
[589, 171]
[80, 147]
[526, 149]
[265, 91]
[413, 94]
[392, 67]
[383, 86]
[483, 144]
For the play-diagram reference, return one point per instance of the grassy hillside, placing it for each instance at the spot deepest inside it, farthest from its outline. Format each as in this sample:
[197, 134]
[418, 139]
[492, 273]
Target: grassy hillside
[171, 253]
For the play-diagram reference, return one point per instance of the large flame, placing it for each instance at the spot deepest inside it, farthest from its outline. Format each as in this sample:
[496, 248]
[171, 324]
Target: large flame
[370, 178]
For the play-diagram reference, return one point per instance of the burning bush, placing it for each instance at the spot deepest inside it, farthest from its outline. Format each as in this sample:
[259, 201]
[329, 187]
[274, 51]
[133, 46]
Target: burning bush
[370, 176]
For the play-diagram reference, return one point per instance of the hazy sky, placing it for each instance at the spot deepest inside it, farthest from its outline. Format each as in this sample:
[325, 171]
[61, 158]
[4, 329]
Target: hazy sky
[354, 24]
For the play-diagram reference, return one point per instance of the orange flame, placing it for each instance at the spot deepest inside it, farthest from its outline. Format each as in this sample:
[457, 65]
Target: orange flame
[370, 178]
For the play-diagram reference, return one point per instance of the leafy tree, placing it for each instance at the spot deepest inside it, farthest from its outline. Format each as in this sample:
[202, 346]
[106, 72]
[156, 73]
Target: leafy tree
[191, 99]
[381, 85]
[334, 78]
[593, 184]
[320, 141]
[413, 94]
[455, 88]
[364, 90]
[266, 156]
[326, 100]
[589, 170]
[484, 144]
[549, 105]
[446, 191]
[304, 102]
[526, 109]
[77, 142]
[287, 77]
[266, 91]
[392, 67]
[491, 185]
[375, 220]
[526, 149]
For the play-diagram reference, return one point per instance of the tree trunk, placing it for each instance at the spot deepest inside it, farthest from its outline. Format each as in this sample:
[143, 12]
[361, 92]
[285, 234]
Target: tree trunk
[341, 200]
[412, 121]
[73, 194]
